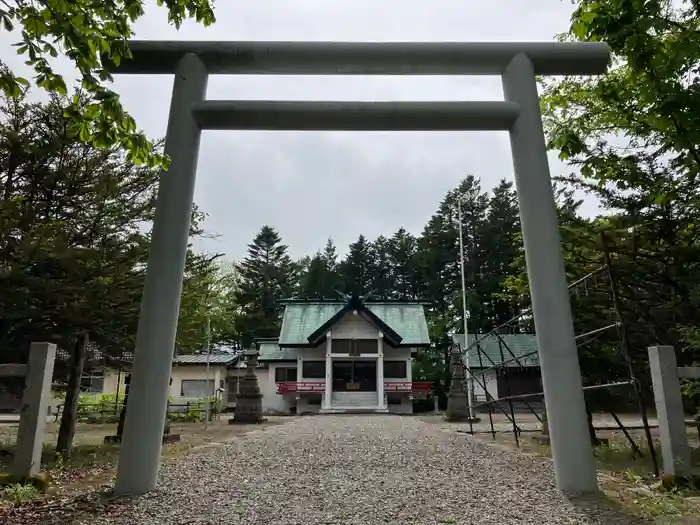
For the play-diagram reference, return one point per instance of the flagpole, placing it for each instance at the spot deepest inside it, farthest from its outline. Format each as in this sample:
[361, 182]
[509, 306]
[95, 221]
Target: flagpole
[464, 309]
[206, 382]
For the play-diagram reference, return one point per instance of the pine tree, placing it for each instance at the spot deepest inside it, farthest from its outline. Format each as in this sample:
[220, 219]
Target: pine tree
[356, 269]
[332, 277]
[502, 246]
[319, 277]
[313, 282]
[330, 256]
[474, 205]
[437, 263]
[266, 276]
[402, 252]
[382, 283]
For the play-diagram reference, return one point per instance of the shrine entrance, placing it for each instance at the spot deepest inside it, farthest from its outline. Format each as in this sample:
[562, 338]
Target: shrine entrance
[354, 376]
[517, 63]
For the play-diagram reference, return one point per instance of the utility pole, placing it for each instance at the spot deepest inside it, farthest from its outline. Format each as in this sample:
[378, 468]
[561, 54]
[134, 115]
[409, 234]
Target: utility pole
[464, 308]
[208, 403]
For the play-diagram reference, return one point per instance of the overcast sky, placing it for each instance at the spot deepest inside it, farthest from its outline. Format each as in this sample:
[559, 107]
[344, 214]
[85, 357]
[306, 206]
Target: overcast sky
[315, 185]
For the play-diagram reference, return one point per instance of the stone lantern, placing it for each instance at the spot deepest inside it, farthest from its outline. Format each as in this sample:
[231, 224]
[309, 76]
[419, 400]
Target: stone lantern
[249, 398]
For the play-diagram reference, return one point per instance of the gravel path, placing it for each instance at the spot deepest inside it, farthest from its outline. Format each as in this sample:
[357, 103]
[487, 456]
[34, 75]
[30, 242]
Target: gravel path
[356, 470]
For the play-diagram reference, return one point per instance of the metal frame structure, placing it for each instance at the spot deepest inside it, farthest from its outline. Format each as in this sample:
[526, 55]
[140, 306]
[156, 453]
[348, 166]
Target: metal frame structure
[508, 357]
[190, 113]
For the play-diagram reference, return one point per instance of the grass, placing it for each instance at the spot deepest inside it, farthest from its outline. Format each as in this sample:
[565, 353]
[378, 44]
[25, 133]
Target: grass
[628, 481]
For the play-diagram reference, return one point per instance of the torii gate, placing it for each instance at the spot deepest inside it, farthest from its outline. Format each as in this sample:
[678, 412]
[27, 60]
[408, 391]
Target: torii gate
[190, 113]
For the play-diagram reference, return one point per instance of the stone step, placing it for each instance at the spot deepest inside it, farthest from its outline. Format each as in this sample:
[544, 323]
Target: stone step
[350, 399]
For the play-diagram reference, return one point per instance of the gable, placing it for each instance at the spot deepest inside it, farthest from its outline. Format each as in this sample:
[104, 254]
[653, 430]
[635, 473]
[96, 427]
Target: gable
[351, 326]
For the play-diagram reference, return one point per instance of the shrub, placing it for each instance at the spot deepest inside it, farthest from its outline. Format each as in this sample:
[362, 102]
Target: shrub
[19, 493]
[195, 410]
[96, 408]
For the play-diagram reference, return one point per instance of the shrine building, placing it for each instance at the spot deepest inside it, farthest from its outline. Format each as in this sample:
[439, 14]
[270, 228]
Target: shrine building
[344, 356]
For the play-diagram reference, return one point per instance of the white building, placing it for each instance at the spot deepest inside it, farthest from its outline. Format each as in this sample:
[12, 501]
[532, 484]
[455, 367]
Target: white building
[335, 357]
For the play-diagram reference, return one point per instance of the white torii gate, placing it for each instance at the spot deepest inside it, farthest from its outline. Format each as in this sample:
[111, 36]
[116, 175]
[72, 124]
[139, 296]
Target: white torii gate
[190, 113]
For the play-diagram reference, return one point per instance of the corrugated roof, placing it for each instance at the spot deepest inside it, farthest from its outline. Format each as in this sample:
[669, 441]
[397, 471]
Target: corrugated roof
[270, 351]
[518, 344]
[302, 319]
[201, 359]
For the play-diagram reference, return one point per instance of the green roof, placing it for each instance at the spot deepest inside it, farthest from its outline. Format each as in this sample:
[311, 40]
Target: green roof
[407, 320]
[301, 319]
[490, 352]
[272, 352]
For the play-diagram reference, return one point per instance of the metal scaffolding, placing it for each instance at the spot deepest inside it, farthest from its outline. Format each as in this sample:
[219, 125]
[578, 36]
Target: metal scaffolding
[508, 357]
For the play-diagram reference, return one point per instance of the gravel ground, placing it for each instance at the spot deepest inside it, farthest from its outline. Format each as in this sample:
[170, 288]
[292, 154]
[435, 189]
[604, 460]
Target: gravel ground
[357, 470]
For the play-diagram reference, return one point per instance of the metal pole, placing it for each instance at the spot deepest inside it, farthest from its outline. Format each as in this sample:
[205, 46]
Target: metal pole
[139, 460]
[624, 347]
[574, 464]
[206, 382]
[464, 309]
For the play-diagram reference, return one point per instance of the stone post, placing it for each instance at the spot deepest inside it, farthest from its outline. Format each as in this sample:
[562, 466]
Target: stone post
[35, 400]
[249, 398]
[669, 411]
[381, 395]
[328, 385]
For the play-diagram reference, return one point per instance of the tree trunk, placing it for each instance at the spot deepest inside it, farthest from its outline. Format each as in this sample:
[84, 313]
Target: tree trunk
[75, 372]
[122, 415]
[591, 429]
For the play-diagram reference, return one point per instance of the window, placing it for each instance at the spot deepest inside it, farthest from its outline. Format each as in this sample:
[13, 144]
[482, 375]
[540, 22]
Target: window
[313, 369]
[92, 381]
[395, 369]
[354, 346]
[282, 374]
[197, 388]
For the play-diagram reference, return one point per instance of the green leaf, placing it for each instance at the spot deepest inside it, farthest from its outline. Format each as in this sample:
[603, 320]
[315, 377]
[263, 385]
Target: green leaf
[86, 32]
